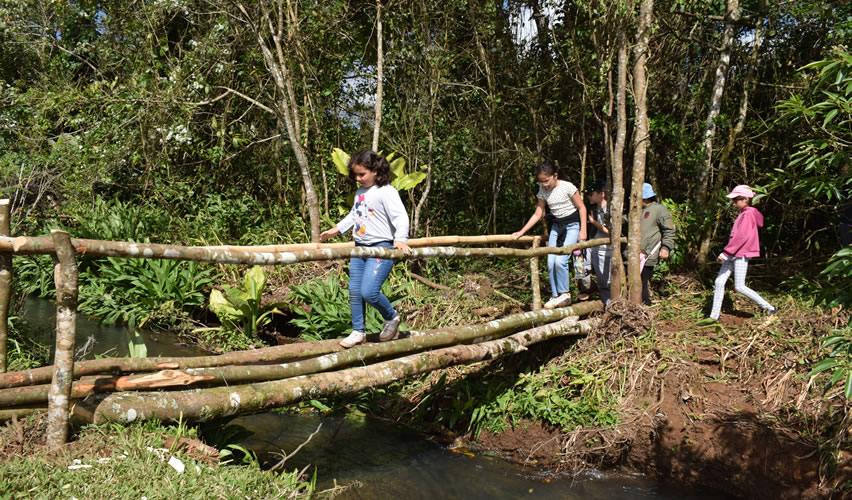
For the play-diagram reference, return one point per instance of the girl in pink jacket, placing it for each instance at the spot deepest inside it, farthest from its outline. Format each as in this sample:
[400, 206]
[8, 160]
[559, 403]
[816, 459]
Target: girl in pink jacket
[743, 245]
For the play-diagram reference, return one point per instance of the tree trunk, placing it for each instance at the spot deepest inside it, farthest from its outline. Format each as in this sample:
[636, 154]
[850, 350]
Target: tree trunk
[208, 404]
[617, 210]
[65, 278]
[701, 190]
[236, 374]
[5, 284]
[285, 105]
[724, 158]
[641, 140]
[379, 76]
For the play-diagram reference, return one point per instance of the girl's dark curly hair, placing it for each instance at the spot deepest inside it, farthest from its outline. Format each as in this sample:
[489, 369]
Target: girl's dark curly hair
[372, 162]
[548, 168]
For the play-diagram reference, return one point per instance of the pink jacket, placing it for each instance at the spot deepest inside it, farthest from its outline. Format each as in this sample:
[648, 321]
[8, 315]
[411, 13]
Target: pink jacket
[745, 241]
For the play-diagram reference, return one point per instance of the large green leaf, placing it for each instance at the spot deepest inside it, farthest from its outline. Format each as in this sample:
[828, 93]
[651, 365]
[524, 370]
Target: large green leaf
[341, 160]
[255, 282]
[397, 167]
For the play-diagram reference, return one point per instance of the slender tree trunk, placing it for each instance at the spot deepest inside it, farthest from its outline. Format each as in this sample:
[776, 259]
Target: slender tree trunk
[724, 157]
[5, 284]
[65, 278]
[617, 211]
[379, 76]
[272, 25]
[641, 140]
[701, 190]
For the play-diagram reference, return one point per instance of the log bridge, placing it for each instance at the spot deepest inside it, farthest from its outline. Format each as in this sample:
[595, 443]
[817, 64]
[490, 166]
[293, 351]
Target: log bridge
[208, 387]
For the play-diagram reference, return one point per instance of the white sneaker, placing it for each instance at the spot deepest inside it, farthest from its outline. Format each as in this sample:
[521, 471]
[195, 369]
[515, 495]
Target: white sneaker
[390, 329]
[354, 338]
[560, 301]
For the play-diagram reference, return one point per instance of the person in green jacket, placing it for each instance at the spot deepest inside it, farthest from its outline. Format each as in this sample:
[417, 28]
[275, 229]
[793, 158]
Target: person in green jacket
[658, 237]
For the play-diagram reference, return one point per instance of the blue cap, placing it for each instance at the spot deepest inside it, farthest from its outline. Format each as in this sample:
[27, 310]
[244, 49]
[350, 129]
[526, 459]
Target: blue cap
[647, 191]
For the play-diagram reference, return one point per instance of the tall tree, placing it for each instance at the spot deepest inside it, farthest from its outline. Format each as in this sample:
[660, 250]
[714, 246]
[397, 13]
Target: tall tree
[379, 75]
[724, 61]
[275, 23]
[641, 141]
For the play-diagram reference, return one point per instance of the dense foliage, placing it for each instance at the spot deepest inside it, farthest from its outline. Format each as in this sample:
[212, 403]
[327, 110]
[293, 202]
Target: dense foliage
[169, 105]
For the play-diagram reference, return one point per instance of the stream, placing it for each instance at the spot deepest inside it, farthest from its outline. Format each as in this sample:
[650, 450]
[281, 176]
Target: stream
[389, 461]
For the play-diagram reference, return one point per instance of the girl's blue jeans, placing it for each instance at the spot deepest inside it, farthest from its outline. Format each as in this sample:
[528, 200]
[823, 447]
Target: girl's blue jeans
[366, 277]
[559, 266]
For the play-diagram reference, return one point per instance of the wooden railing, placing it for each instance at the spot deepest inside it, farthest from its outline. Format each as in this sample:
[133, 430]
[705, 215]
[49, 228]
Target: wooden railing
[64, 250]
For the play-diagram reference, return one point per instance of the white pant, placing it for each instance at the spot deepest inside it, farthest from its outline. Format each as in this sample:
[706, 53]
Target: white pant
[601, 258]
[739, 266]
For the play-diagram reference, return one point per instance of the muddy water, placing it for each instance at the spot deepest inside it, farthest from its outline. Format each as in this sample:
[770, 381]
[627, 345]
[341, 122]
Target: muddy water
[388, 461]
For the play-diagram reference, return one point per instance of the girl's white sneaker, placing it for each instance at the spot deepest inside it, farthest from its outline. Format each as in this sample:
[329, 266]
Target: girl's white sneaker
[390, 329]
[354, 338]
[560, 301]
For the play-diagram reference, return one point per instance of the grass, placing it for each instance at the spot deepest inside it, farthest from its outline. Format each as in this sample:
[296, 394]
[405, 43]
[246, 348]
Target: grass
[111, 461]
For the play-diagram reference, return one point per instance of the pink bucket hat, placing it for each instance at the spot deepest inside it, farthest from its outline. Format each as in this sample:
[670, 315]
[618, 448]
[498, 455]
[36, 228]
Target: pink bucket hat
[741, 190]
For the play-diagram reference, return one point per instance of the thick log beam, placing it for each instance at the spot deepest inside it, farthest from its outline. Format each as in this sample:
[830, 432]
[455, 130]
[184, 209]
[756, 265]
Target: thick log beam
[239, 374]
[207, 404]
[43, 374]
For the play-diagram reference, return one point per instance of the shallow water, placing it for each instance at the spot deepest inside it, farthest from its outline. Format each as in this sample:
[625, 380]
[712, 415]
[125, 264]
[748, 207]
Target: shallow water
[108, 340]
[387, 461]
[390, 461]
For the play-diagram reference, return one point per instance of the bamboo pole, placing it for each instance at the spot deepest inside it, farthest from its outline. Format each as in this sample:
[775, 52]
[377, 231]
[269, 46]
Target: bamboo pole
[534, 277]
[5, 284]
[234, 255]
[65, 278]
[237, 374]
[207, 404]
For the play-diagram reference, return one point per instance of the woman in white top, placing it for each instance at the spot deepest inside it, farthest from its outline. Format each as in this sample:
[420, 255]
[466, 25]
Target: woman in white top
[567, 227]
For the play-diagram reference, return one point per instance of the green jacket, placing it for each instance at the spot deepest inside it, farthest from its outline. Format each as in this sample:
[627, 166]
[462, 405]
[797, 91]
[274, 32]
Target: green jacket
[656, 225]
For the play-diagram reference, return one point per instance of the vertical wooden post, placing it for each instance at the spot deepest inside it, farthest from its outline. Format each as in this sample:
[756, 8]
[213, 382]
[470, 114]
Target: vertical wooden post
[5, 283]
[536, 285]
[65, 278]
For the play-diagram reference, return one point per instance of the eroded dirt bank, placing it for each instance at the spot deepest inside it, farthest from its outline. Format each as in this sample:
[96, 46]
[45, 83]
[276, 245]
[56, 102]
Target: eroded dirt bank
[727, 407]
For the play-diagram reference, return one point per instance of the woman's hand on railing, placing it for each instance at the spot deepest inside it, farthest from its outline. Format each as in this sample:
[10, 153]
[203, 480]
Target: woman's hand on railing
[517, 234]
[401, 245]
[331, 233]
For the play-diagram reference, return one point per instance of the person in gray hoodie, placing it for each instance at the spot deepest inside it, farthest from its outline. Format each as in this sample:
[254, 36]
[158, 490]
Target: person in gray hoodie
[657, 236]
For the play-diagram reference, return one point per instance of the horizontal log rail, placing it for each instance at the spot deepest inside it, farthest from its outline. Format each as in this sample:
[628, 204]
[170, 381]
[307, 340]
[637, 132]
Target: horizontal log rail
[272, 255]
[34, 245]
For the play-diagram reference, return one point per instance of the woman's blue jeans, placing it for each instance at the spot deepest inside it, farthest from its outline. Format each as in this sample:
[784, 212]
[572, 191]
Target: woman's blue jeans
[559, 266]
[366, 276]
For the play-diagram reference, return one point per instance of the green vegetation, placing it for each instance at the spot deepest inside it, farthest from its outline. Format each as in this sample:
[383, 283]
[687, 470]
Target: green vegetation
[239, 309]
[325, 309]
[111, 461]
[557, 393]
